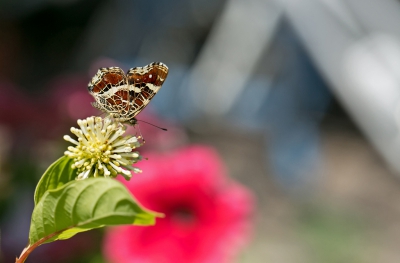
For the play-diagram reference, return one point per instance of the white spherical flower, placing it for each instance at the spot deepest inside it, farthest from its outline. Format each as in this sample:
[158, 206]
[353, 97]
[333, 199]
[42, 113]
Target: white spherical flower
[101, 150]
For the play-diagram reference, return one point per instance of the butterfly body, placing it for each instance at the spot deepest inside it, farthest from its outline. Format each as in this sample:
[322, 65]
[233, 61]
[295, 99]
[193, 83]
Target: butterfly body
[123, 96]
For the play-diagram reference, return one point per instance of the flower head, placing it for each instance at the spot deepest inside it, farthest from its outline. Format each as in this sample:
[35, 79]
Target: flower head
[101, 150]
[208, 216]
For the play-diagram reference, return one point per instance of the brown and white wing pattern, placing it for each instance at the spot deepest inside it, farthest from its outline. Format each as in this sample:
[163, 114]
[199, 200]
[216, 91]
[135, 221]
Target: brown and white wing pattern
[144, 83]
[111, 92]
[124, 96]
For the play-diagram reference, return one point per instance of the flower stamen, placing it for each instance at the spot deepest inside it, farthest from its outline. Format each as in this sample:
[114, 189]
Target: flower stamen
[102, 150]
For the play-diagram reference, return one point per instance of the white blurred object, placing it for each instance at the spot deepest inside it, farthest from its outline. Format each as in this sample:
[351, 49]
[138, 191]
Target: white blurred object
[372, 68]
[231, 53]
[355, 46]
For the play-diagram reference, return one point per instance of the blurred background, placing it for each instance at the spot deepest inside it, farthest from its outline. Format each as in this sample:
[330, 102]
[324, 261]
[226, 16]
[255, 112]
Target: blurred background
[297, 104]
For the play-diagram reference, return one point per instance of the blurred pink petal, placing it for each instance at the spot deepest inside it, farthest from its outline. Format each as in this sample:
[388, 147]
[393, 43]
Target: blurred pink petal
[208, 216]
[70, 99]
[16, 108]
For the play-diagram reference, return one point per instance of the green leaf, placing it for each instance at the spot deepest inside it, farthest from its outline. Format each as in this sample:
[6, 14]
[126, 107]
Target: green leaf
[83, 205]
[57, 175]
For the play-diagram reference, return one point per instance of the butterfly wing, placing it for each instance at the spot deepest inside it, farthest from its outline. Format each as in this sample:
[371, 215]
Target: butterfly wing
[111, 92]
[144, 83]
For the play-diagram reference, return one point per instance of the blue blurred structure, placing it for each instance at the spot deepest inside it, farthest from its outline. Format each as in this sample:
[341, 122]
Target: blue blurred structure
[293, 111]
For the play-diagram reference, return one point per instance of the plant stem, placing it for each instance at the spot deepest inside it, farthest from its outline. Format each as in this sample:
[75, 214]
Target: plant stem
[28, 250]
[25, 253]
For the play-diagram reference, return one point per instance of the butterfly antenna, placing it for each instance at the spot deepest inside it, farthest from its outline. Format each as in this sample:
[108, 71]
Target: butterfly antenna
[154, 125]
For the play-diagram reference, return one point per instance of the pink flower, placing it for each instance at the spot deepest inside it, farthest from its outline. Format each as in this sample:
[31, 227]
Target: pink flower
[208, 216]
[70, 99]
[16, 108]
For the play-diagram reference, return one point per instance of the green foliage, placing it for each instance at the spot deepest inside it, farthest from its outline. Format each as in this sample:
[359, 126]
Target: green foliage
[333, 236]
[58, 174]
[65, 207]
[83, 205]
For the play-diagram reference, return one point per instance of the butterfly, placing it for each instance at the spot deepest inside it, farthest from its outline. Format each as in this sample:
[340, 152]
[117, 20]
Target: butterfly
[123, 96]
